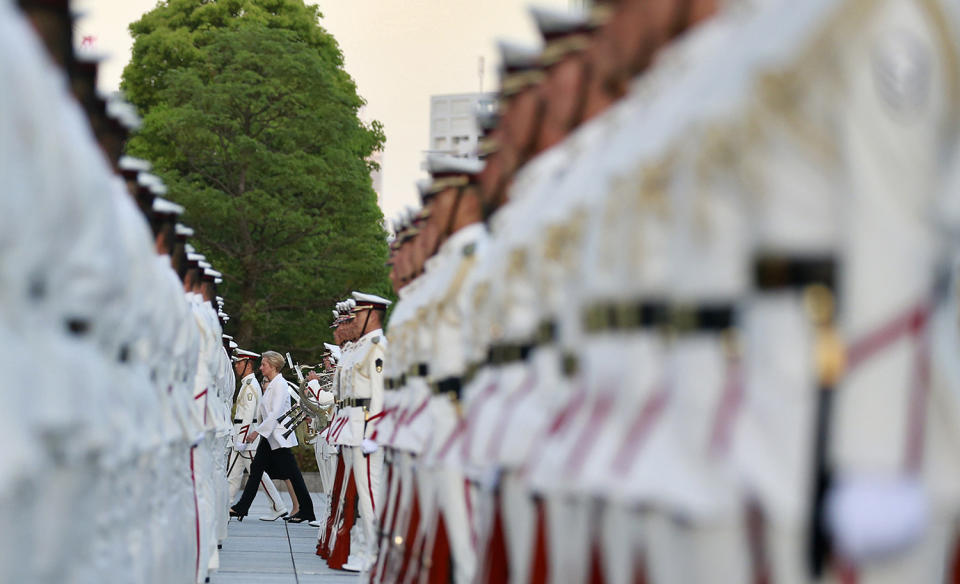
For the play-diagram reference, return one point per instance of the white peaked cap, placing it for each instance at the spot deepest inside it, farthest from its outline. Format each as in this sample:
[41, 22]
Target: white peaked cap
[163, 206]
[449, 164]
[514, 55]
[551, 21]
[134, 164]
[423, 186]
[369, 299]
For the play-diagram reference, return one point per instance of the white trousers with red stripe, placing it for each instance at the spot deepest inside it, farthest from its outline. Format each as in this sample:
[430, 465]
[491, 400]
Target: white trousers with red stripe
[453, 492]
[519, 515]
[368, 473]
[568, 538]
[621, 543]
[706, 507]
[776, 429]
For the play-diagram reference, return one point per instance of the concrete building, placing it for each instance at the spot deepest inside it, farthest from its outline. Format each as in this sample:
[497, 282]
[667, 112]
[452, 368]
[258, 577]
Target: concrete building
[453, 126]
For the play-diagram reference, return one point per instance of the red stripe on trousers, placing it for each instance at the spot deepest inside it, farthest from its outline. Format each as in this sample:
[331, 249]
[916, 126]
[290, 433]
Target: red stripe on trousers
[196, 510]
[469, 503]
[373, 503]
[727, 408]
[590, 433]
[496, 441]
[639, 430]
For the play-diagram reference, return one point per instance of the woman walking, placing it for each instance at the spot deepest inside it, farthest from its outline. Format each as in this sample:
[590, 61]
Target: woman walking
[273, 454]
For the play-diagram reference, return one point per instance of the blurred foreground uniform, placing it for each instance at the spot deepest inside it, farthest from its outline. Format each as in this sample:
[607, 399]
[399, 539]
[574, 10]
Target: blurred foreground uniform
[710, 328]
[97, 483]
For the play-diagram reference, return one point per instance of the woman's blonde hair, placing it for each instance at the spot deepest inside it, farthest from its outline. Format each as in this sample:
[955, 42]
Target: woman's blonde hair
[274, 358]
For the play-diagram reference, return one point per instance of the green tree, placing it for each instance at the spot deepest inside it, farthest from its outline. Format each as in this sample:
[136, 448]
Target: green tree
[251, 120]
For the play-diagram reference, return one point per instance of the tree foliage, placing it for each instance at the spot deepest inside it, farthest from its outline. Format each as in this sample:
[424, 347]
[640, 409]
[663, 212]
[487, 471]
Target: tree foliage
[251, 120]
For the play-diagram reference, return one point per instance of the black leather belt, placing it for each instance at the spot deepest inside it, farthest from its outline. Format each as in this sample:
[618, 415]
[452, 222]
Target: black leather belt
[418, 370]
[351, 402]
[239, 421]
[470, 373]
[78, 326]
[449, 385]
[625, 316]
[508, 353]
[777, 272]
[701, 318]
[395, 382]
[546, 332]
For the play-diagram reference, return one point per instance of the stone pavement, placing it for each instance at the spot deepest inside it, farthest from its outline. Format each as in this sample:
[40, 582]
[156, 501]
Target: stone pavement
[262, 552]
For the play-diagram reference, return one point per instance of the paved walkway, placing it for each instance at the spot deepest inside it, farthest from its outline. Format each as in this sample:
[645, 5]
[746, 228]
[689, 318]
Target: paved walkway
[277, 552]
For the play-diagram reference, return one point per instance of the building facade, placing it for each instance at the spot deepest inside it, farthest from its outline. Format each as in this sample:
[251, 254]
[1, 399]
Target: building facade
[453, 126]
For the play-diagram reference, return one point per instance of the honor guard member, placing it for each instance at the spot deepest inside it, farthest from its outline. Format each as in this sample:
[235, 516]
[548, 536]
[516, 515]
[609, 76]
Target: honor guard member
[326, 533]
[343, 512]
[456, 210]
[412, 428]
[245, 417]
[506, 147]
[347, 432]
[365, 404]
[417, 425]
[402, 512]
[170, 371]
[542, 234]
[897, 114]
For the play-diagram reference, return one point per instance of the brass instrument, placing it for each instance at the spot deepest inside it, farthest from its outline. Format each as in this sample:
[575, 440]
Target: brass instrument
[309, 407]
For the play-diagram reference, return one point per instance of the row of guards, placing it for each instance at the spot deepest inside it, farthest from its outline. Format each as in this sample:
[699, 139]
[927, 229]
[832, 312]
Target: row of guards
[690, 315]
[119, 379]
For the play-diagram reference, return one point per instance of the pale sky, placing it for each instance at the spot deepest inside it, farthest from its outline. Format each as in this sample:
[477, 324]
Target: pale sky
[400, 52]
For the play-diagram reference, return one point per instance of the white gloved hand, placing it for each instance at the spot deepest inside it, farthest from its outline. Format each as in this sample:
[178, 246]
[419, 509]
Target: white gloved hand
[369, 446]
[875, 517]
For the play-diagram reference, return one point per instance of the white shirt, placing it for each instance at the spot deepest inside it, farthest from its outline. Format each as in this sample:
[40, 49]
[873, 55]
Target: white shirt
[275, 403]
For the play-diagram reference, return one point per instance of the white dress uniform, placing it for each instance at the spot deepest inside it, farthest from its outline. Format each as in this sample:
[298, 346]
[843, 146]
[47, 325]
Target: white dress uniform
[244, 418]
[399, 496]
[53, 136]
[364, 459]
[446, 367]
[898, 116]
